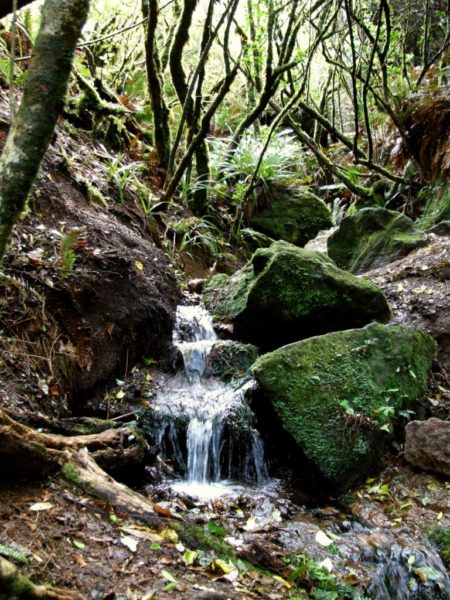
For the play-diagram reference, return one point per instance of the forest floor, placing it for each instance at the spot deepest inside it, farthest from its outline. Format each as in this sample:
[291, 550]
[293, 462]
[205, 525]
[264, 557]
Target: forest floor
[66, 316]
[70, 540]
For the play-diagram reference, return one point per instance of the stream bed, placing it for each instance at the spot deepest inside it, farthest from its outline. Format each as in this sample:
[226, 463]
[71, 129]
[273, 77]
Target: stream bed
[212, 457]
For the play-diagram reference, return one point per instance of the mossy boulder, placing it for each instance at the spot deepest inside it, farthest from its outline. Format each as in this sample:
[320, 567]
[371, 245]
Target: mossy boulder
[286, 293]
[372, 238]
[289, 213]
[229, 360]
[339, 395]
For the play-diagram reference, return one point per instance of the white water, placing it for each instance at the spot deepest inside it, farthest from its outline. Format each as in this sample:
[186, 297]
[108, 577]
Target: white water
[203, 410]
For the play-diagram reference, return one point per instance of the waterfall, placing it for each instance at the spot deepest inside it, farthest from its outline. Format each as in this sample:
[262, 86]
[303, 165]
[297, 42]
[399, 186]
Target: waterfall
[205, 427]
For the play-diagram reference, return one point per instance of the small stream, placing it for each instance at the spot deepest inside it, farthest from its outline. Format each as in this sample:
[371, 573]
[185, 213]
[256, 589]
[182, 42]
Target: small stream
[207, 440]
[205, 427]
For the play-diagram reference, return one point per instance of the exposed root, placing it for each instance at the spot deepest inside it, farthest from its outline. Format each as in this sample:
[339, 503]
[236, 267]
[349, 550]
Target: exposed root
[13, 586]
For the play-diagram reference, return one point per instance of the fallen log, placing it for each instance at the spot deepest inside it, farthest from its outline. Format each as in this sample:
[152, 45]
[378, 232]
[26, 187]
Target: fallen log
[25, 452]
[13, 585]
[75, 459]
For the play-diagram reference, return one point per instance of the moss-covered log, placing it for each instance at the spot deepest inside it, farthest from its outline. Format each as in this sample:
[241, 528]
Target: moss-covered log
[42, 103]
[13, 585]
[25, 452]
[33, 453]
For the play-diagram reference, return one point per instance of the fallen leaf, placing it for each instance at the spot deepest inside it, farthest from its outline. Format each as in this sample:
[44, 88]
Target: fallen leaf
[216, 530]
[351, 578]
[283, 581]
[39, 506]
[139, 265]
[165, 512]
[224, 566]
[80, 560]
[130, 542]
[79, 544]
[142, 534]
[189, 557]
[120, 394]
[235, 542]
[250, 525]
[326, 564]
[322, 538]
[168, 576]
[170, 535]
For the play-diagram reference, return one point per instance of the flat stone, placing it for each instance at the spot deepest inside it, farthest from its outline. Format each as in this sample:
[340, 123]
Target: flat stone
[427, 445]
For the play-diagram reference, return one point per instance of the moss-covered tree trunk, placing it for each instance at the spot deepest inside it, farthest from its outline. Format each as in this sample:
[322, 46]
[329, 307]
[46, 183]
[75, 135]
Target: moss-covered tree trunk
[42, 103]
[161, 130]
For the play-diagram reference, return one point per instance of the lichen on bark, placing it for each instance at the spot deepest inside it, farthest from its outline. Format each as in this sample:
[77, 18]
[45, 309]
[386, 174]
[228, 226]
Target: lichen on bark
[42, 102]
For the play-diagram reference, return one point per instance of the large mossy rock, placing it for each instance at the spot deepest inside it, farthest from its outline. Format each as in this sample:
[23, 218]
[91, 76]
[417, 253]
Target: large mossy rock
[288, 213]
[286, 293]
[372, 238]
[338, 395]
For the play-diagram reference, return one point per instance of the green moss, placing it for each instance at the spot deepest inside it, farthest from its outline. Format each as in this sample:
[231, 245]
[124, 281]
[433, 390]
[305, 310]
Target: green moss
[197, 537]
[333, 393]
[291, 214]
[228, 294]
[440, 537]
[70, 474]
[94, 425]
[371, 238]
[20, 587]
[295, 291]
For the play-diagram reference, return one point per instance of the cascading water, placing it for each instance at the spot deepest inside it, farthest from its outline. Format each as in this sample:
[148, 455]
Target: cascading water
[205, 426]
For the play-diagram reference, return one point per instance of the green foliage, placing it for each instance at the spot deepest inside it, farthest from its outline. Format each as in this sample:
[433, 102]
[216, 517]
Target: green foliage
[437, 205]
[321, 584]
[440, 537]
[216, 530]
[281, 162]
[67, 253]
[14, 554]
[196, 235]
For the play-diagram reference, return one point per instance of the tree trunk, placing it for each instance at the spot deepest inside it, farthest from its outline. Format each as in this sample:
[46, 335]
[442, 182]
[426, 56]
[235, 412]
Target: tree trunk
[161, 130]
[42, 103]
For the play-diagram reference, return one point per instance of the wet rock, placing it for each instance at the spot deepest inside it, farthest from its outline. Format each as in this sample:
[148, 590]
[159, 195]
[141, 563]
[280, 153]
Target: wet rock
[337, 396]
[418, 290]
[319, 243]
[287, 293]
[195, 286]
[371, 238]
[427, 445]
[230, 360]
[287, 213]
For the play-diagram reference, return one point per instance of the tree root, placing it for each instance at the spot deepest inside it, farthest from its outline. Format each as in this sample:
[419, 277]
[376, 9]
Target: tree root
[38, 454]
[25, 452]
[13, 586]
